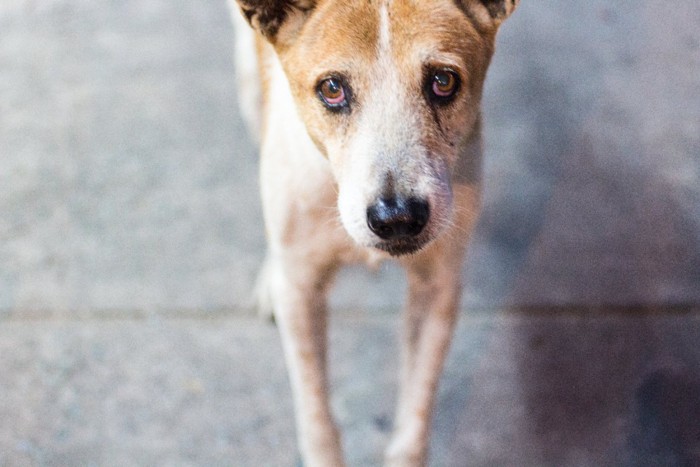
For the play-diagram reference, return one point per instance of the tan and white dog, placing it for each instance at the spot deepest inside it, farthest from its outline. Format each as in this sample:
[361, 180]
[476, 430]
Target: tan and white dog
[369, 124]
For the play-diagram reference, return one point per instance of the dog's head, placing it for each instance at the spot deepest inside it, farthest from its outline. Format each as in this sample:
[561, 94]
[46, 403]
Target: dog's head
[389, 91]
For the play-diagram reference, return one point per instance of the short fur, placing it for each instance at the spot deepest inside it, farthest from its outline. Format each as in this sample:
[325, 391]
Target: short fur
[323, 169]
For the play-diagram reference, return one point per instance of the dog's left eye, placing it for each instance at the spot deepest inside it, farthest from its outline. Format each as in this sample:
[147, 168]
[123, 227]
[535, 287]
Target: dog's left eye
[333, 94]
[443, 85]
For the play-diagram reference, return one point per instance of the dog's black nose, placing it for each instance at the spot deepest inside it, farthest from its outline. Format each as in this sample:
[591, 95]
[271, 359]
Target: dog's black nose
[393, 218]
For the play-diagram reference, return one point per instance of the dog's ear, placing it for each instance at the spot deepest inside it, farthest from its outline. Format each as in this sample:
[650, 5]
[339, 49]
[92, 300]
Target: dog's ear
[492, 12]
[270, 16]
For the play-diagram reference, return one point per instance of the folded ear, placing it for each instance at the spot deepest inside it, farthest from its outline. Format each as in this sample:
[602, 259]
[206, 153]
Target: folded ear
[500, 9]
[269, 16]
[490, 11]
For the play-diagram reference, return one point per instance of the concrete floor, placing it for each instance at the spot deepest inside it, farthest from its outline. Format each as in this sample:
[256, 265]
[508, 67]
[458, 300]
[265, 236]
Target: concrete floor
[130, 234]
[586, 388]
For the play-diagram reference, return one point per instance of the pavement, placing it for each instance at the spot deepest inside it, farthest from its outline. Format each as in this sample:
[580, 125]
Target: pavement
[130, 235]
[555, 388]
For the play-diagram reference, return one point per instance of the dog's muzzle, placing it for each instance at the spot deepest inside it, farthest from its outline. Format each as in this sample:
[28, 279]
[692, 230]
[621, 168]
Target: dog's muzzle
[398, 222]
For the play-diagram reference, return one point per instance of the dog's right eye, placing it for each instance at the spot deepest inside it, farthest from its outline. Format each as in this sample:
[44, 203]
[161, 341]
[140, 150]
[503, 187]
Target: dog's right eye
[442, 85]
[333, 94]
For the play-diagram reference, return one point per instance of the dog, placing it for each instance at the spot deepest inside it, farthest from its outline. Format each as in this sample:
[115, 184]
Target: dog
[369, 125]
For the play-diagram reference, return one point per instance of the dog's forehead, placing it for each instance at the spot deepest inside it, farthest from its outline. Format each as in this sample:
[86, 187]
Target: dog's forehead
[421, 29]
[341, 30]
[354, 33]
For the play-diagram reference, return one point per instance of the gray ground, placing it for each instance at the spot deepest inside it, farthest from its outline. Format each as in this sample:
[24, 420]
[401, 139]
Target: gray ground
[130, 234]
[564, 389]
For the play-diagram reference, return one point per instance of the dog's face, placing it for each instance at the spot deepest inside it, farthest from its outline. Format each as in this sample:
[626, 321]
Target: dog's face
[389, 91]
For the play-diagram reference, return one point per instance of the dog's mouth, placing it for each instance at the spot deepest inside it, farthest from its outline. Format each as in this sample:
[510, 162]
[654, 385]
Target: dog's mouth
[401, 247]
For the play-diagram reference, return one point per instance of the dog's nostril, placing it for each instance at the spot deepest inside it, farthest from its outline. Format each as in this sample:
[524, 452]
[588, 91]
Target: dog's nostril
[392, 218]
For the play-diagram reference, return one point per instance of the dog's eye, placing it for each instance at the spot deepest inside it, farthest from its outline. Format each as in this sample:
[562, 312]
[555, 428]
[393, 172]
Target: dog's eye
[443, 85]
[332, 93]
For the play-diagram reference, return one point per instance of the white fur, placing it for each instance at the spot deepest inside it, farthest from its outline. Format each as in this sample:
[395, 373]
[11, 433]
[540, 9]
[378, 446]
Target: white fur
[246, 63]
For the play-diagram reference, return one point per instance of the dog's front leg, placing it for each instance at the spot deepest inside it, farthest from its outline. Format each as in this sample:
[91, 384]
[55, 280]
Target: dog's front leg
[299, 299]
[429, 320]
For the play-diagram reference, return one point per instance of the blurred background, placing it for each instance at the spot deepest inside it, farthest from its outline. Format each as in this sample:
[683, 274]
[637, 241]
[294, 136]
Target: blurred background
[131, 233]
